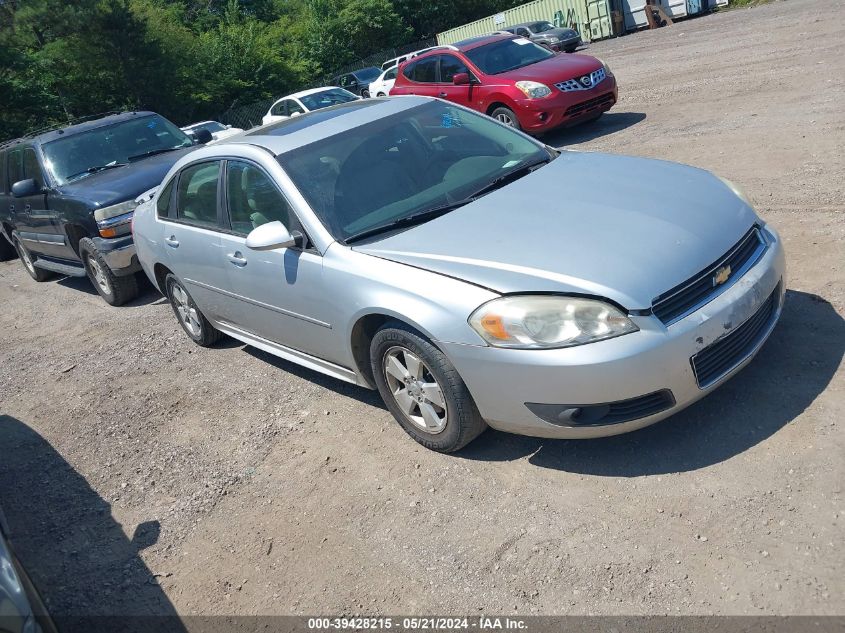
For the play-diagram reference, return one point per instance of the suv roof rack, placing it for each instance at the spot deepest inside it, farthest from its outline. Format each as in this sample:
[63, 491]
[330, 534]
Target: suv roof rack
[60, 126]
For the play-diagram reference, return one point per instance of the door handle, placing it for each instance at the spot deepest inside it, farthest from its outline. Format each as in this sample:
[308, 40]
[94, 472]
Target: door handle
[237, 259]
[27, 208]
[172, 241]
[442, 95]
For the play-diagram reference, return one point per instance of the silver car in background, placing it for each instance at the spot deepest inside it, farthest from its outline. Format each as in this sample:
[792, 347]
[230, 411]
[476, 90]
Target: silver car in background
[471, 274]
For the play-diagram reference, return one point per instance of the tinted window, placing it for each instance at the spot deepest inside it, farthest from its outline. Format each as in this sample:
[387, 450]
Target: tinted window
[523, 32]
[254, 199]
[196, 199]
[425, 70]
[15, 167]
[79, 155]
[502, 56]
[211, 126]
[327, 98]
[346, 80]
[449, 67]
[399, 165]
[163, 203]
[542, 27]
[367, 74]
[294, 108]
[390, 74]
[31, 168]
[278, 109]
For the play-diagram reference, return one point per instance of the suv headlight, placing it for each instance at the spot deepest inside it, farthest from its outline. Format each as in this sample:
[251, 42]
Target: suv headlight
[115, 220]
[533, 89]
[553, 39]
[548, 321]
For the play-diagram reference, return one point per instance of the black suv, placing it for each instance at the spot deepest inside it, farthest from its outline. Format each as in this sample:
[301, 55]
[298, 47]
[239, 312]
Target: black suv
[358, 82]
[67, 196]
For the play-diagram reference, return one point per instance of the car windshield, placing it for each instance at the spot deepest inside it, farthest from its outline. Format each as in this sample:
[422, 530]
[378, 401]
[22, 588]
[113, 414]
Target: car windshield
[211, 126]
[80, 155]
[327, 98]
[505, 55]
[541, 27]
[367, 74]
[424, 159]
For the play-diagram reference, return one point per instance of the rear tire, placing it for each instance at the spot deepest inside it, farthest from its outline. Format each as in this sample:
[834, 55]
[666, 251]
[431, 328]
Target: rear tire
[190, 317]
[365, 94]
[506, 116]
[38, 274]
[423, 390]
[113, 289]
[7, 250]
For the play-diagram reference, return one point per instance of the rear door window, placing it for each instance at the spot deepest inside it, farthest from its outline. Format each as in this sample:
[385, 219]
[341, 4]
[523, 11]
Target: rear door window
[425, 70]
[196, 199]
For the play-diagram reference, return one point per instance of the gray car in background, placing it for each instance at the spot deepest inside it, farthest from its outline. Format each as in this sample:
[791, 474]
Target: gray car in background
[545, 33]
[471, 274]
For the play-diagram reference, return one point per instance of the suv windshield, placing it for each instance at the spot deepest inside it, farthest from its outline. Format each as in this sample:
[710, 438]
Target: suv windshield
[425, 159]
[541, 27]
[327, 98]
[367, 74]
[505, 55]
[211, 126]
[80, 155]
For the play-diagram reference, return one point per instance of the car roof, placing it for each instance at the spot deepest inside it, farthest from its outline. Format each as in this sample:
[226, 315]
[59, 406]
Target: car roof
[295, 132]
[480, 40]
[310, 91]
[78, 128]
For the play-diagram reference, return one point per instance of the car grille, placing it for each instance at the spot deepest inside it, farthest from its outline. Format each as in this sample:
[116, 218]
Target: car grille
[585, 82]
[589, 105]
[717, 359]
[687, 297]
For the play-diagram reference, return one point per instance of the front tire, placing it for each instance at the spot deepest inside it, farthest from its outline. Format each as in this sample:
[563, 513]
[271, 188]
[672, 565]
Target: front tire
[190, 317]
[506, 116]
[365, 94]
[423, 390]
[113, 289]
[38, 274]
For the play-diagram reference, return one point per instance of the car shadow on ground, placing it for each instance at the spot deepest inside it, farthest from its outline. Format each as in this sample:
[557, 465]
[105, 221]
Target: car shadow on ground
[146, 292]
[609, 123]
[793, 368]
[79, 557]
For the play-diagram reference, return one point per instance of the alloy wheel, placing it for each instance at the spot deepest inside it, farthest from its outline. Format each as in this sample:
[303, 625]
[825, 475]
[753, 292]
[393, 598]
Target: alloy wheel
[27, 260]
[187, 313]
[99, 274]
[505, 118]
[415, 390]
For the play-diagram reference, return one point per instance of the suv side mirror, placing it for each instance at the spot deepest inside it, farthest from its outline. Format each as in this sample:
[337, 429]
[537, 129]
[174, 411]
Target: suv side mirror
[270, 236]
[461, 79]
[24, 188]
[203, 136]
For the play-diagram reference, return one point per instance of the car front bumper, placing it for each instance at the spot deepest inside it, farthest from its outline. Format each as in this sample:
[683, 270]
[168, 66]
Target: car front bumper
[654, 359]
[566, 108]
[119, 253]
[566, 45]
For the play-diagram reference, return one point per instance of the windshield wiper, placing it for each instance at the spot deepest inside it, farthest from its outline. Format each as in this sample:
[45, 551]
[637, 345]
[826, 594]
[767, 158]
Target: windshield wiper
[94, 170]
[514, 174]
[153, 152]
[408, 220]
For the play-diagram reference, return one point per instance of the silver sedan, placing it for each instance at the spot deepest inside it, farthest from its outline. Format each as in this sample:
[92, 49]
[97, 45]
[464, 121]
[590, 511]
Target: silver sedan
[471, 274]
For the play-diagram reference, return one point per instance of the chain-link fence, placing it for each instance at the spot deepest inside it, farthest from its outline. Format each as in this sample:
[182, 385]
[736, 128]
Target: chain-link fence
[249, 115]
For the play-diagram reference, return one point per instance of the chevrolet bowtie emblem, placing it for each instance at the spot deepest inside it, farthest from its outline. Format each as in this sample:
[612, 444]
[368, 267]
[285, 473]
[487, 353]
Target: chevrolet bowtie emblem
[721, 276]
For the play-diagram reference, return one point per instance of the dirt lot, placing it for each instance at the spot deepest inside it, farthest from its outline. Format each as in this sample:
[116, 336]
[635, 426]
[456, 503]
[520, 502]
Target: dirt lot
[142, 474]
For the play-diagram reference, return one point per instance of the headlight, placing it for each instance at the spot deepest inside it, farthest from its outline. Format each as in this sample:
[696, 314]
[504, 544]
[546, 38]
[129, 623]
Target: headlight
[553, 40]
[544, 321]
[533, 89]
[114, 221]
[605, 66]
[737, 191]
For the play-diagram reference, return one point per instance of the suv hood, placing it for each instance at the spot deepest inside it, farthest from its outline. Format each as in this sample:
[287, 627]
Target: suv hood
[124, 183]
[554, 69]
[561, 33]
[623, 228]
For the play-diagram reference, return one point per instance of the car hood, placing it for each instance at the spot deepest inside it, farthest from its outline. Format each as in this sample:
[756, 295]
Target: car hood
[619, 227]
[559, 32]
[124, 183]
[554, 69]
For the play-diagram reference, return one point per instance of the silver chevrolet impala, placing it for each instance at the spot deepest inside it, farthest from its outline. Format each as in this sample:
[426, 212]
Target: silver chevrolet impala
[471, 274]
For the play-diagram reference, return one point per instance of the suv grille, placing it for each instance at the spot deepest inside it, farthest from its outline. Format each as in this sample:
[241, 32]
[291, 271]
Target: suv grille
[687, 297]
[585, 82]
[718, 358]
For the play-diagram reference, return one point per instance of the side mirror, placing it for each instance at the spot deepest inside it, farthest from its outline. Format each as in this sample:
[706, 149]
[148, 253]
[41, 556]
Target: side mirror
[270, 236]
[24, 188]
[293, 114]
[203, 136]
[461, 79]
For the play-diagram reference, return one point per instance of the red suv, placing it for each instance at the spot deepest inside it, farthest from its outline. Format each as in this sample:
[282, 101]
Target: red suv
[513, 80]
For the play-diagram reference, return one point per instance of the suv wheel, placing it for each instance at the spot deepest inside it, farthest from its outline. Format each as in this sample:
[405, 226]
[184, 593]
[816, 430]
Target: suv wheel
[113, 289]
[423, 390]
[506, 116]
[38, 274]
[188, 314]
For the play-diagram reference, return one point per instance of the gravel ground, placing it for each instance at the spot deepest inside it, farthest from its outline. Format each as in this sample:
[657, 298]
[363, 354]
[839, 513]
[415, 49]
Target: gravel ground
[142, 474]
